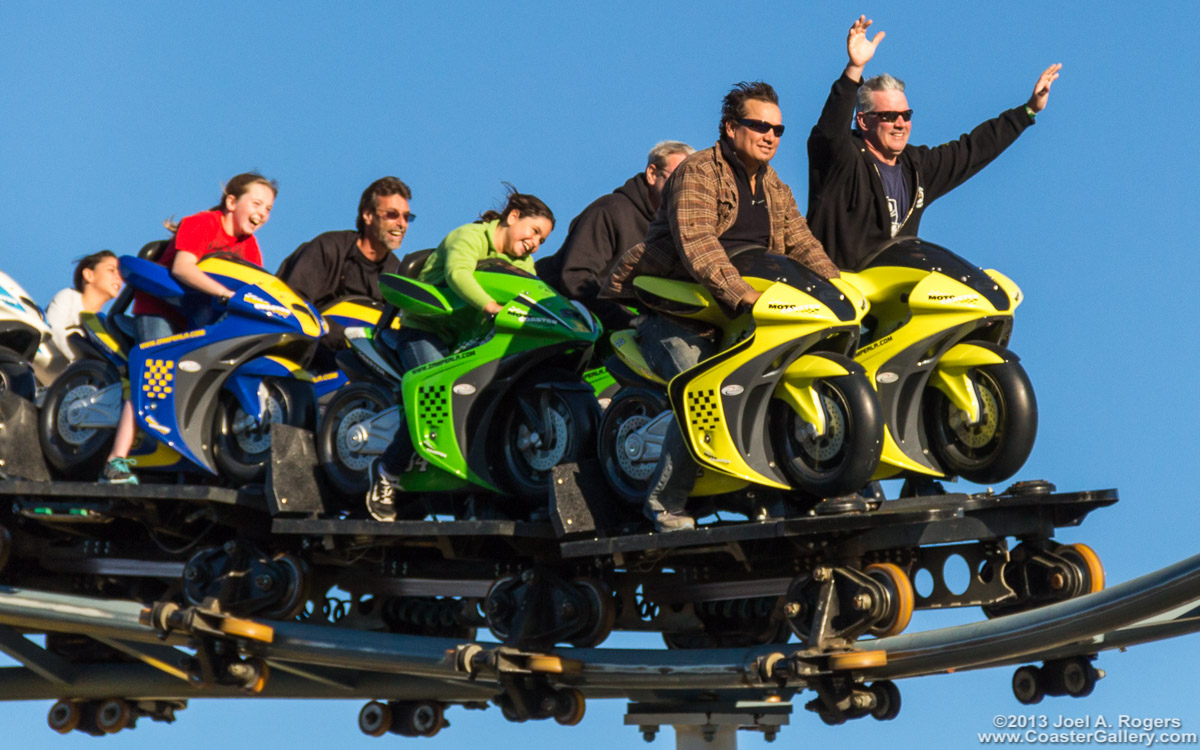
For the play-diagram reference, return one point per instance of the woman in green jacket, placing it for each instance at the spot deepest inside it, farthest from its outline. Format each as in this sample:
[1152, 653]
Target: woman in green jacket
[512, 235]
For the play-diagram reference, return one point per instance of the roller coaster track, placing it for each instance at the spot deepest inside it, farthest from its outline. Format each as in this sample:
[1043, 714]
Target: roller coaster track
[1161, 604]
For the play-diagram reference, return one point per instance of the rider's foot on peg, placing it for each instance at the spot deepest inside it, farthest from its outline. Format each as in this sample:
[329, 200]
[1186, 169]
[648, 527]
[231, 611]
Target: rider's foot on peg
[668, 521]
[116, 471]
[381, 498]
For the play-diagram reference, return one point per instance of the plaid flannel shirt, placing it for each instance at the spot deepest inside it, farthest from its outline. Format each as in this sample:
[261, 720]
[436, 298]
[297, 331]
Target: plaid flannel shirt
[699, 204]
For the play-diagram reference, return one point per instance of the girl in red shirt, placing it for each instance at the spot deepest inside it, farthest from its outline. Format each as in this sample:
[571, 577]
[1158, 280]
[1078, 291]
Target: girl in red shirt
[227, 227]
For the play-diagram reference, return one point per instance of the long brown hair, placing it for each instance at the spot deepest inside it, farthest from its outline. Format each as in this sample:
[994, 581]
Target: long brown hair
[527, 205]
[237, 187]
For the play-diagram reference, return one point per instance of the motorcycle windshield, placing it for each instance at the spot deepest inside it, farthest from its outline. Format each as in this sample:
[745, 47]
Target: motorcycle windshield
[926, 256]
[760, 264]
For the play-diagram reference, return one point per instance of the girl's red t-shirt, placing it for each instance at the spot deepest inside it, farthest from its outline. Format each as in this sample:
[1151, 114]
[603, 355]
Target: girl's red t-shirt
[199, 234]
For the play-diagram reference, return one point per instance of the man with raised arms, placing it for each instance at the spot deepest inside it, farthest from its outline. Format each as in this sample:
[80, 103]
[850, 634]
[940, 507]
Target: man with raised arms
[868, 185]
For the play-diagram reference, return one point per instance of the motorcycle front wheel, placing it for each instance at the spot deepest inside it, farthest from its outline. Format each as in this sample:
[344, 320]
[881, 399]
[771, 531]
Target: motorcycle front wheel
[997, 446]
[241, 446]
[842, 459]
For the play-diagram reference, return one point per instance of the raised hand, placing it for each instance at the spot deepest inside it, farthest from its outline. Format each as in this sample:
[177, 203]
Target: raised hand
[858, 47]
[1041, 92]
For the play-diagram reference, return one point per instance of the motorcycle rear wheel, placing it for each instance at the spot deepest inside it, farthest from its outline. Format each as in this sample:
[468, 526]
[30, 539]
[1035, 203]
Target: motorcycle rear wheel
[527, 457]
[242, 456]
[16, 375]
[348, 471]
[75, 453]
[629, 410]
[843, 459]
[995, 448]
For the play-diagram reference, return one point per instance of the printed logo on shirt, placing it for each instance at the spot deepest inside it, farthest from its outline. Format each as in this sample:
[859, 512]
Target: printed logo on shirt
[894, 214]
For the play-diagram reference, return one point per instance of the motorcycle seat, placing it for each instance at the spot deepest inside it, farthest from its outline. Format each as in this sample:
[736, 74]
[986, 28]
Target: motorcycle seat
[121, 328]
[411, 264]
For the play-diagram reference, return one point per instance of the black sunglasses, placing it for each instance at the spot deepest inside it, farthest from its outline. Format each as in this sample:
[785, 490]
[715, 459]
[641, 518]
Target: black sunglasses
[892, 116]
[393, 214]
[761, 126]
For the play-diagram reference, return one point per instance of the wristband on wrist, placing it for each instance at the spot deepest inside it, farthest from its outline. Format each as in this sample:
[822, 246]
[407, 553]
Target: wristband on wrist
[1029, 111]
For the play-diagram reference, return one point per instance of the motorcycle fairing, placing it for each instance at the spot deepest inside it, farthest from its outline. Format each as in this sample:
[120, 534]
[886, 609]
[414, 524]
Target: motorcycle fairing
[152, 278]
[722, 403]
[179, 379]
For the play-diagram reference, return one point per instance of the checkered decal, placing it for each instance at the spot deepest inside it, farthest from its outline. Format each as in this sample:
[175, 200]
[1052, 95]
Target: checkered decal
[702, 409]
[158, 376]
[432, 405]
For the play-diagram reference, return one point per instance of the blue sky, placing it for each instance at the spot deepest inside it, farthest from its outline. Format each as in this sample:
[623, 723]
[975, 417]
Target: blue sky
[115, 116]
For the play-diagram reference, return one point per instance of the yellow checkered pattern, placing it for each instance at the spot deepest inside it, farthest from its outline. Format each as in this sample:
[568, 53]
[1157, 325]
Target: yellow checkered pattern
[158, 376]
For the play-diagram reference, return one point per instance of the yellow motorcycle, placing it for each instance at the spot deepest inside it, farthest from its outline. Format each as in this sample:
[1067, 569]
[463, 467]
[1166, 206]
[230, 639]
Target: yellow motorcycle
[955, 400]
[782, 405]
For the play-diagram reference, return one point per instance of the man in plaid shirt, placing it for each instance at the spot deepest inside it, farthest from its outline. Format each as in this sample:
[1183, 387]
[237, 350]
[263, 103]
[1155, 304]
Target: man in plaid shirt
[720, 198]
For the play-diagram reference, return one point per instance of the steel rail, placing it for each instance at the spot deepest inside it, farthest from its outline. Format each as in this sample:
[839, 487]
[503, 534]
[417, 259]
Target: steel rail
[617, 670]
[1041, 629]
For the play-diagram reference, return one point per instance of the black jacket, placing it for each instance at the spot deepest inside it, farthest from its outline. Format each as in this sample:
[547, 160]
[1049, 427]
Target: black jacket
[847, 208]
[609, 226]
[329, 267]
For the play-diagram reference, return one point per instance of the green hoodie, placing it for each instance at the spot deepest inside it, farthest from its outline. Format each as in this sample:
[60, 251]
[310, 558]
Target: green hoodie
[453, 262]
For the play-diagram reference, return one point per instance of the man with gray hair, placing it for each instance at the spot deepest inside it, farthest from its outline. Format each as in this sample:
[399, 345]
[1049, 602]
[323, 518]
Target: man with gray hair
[609, 226]
[869, 185]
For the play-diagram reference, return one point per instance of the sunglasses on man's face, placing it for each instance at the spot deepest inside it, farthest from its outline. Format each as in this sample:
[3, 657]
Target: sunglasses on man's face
[393, 214]
[892, 116]
[761, 126]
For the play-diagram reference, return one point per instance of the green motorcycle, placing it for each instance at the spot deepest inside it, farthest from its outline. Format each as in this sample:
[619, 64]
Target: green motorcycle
[497, 414]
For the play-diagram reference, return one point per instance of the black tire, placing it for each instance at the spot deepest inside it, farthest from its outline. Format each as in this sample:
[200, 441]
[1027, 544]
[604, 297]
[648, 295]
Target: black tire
[242, 458]
[887, 700]
[348, 471]
[75, 453]
[997, 447]
[843, 460]
[1027, 685]
[526, 471]
[627, 481]
[16, 375]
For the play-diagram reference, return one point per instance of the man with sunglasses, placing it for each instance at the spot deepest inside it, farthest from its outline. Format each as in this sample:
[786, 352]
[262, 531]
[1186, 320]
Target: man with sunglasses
[869, 185]
[610, 224]
[346, 263]
[719, 199]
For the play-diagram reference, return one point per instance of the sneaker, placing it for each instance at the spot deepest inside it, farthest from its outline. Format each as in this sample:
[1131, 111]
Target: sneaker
[668, 521]
[381, 498]
[116, 471]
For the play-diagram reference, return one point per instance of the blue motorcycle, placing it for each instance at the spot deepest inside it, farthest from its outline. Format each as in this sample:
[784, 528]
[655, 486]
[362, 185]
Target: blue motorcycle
[204, 398]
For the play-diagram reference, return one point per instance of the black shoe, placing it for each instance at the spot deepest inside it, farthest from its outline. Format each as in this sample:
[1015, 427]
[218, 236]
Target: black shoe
[381, 498]
[835, 506]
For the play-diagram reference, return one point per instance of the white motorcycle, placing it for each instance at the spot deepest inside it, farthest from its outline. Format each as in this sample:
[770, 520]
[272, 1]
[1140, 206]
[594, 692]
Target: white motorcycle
[28, 357]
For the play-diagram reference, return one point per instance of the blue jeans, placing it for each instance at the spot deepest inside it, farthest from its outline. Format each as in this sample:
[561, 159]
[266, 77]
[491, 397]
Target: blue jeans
[671, 347]
[414, 348]
[151, 328]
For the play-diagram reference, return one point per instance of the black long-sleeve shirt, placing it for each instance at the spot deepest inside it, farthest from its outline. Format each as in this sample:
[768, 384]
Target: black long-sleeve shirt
[847, 207]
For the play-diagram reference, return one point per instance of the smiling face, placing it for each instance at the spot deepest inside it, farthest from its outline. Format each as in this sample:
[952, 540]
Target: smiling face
[104, 278]
[753, 148]
[522, 235]
[251, 210]
[387, 224]
[886, 139]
